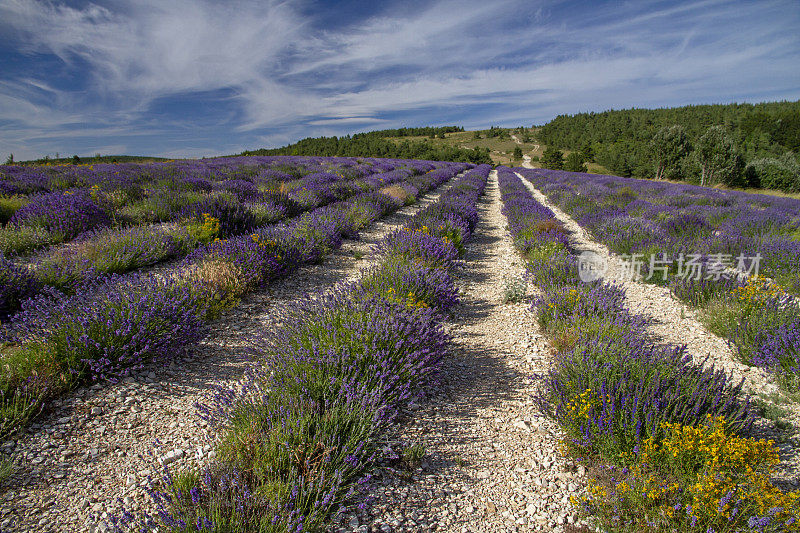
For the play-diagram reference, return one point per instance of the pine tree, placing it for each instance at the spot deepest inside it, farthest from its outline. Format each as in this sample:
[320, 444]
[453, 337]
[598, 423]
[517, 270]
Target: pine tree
[669, 146]
[719, 161]
[553, 158]
[574, 163]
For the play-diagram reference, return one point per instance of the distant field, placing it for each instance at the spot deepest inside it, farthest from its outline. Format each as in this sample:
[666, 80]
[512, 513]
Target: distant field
[107, 159]
[500, 150]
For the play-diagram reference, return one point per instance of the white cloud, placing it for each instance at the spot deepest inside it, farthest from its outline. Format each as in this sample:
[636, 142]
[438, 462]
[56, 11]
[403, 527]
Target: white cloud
[346, 121]
[154, 48]
[287, 76]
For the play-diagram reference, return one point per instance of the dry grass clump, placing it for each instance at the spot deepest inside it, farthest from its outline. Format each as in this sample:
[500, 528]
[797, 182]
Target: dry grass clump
[224, 281]
[398, 193]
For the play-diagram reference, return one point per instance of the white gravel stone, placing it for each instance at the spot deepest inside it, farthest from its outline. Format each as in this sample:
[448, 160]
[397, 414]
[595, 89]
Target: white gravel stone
[477, 426]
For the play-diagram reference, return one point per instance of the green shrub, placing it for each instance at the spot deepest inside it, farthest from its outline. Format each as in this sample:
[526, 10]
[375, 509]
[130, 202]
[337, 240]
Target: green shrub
[25, 239]
[9, 205]
[771, 173]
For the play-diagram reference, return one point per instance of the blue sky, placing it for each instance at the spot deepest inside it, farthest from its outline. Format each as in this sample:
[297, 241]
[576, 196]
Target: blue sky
[186, 78]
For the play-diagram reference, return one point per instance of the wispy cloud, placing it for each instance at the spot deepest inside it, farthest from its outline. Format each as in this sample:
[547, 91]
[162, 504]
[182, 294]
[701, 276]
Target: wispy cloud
[196, 77]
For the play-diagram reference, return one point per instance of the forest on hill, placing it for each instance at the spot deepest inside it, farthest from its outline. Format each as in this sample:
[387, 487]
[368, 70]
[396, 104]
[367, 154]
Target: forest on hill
[378, 144]
[755, 145]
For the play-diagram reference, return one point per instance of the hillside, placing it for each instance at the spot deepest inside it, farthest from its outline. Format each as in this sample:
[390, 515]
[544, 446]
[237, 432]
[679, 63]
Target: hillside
[621, 140]
[414, 145]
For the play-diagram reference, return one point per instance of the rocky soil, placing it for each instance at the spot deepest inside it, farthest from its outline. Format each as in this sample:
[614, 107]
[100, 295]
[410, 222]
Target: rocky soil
[492, 462]
[96, 449]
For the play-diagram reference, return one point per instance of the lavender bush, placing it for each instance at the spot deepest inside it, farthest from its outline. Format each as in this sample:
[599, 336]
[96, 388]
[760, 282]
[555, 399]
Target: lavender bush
[64, 214]
[412, 283]
[306, 425]
[611, 387]
[419, 244]
[112, 325]
[233, 217]
[17, 283]
[666, 220]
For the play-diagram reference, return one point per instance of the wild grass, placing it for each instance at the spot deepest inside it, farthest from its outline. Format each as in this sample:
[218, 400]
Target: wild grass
[398, 193]
[24, 240]
[217, 283]
[7, 467]
[514, 289]
[10, 205]
[412, 455]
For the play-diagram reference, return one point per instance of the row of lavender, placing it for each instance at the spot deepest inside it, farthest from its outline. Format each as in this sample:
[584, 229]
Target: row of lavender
[117, 323]
[45, 205]
[306, 427]
[665, 438]
[120, 250]
[673, 223]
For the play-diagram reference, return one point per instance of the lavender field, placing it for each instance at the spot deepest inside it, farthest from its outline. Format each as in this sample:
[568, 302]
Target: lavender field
[313, 266]
[87, 307]
[361, 344]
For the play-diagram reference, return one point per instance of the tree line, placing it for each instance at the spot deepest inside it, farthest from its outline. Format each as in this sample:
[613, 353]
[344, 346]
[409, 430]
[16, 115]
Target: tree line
[427, 131]
[754, 145]
[373, 144]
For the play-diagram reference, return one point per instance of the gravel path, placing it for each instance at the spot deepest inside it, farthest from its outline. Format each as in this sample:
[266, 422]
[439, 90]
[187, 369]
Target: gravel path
[676, 323]
[97, 447]
[491, 462]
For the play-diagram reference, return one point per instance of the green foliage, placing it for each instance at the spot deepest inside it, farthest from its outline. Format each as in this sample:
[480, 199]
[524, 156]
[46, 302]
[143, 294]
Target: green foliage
[9, 205]
[574, 163]
[669, 145]
[76, 160]
[775, 173]
[373, 144]
[553, 158]
[417, 132]
[514, 289]
[718, 158]
[517, 153]
[10, 159]
[620, 140]
[587, 152]
[495, 132]
[97, 158]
